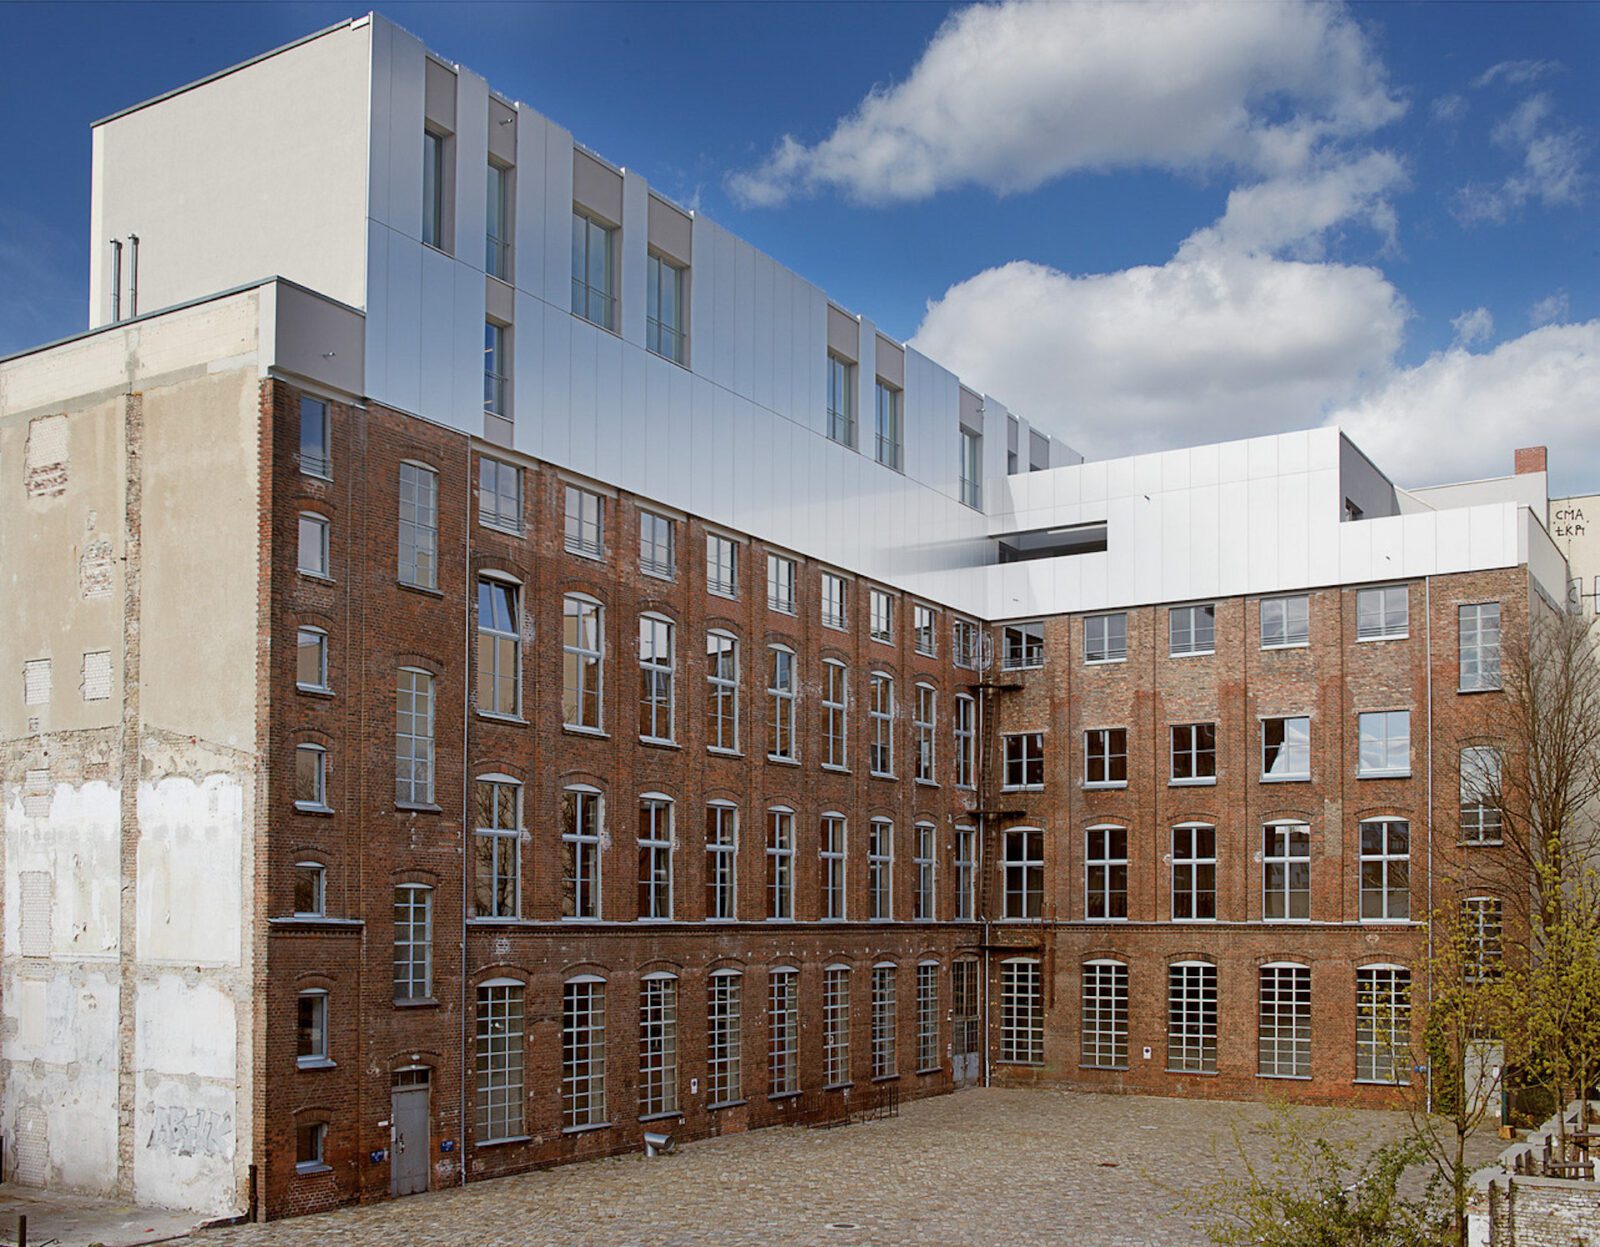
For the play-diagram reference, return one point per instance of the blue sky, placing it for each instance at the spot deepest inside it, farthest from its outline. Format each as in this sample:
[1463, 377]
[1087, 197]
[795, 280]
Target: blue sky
[1143, 225]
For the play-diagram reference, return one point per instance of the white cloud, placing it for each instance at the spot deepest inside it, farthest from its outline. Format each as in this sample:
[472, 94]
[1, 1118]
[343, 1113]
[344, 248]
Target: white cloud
[1009, 96]
[1473, 327]
[1295, 213]
[1552, 165]
[1448, 109]
[1211, 345]
[1516, 73]
[1458, 415]
[1551, 308]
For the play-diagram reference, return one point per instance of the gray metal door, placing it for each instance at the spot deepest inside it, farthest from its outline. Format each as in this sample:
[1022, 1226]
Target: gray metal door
[408, 1156]
[965, 1031]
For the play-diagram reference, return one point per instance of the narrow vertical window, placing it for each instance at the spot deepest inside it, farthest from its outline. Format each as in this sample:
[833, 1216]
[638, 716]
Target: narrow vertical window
[966, 718]
[1106, 873]
[1286, 872]
[580, 853]
[1194, 873]
[584, 531]
[313, 545]
[881, 712]
[722, 566]
[841, 401]
[971, 452]
[1482, 821]
[498, 1062]
[722, 856]
[885, 1059]
[658, 1045]
[310, 777]
[413, 738]
[435, 184]
[923, 725]
[1483, 937]
[836, 1026]
[497, 848]
[724, 1038]
[722, 691]
[1104, 1017]
[925, 630]
[310, 890]
[655, 857]
[783, 1041]
[889, 441]
[413, 942]
[656, 678]
[880, 869]
[593, 282]
[500, 495]
[780, 864]
[927, 1017]
[835, 609]
[1022, 864]
[581, 662]
[1385, 846]
[835, 714]
[664, 308]
[781, 584]
[311, 660]
[925, 858]
[880, 616]
[832, 861]
[499, 648]
[419, 526]
[497, 234]
[1021, 1012]
[1192, 1017]
[312, 1037]
[782, 691]
[657, 556]
[966, 877]
[583, 1052]
[316, 454]
[496, 370]
[1480, 646]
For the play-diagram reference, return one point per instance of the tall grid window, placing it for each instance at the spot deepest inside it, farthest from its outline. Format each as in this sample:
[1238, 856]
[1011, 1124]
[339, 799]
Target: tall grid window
[656, 678]
[722, 691]
[1385, 845]
[655, 856]
[316, 457]
[1194, 753]
[1194, 873]
[1106, 872]
[880, 869]
[841, 401]
[925, 858]
[499, 495]
[782, 693]
[1480, 646]
[890, 440]
[971, 452]
[312, 550]
[1286, 872]
[499, 648]
[835, 714]
[310, 777]
[781, 584]
[1105, 757]
[832, 863]
[1383, 1024]
[922, 723]
[1286, 748]
[497, 232]
[1023, 868]
[780, 864]
[966, 876]
[880, 616]
[496, 839]
[1285, 622]
[498, 1061]
[835, 601]
[657, 555]
[1192, 630]
[664, 310]
[1385, 740]
[885, 1060]
[783, 1032]
[1483, 932]
[584, 527]
[724, 1037]
[927, 1016]
[583, 1052]
[1023, 755]
[413, 942]
[1192, 1017]
[311, 659]
[419, 526]
[1285, 1021]
[582, 662]
[593, 281]
[722, 565]
[1021, 1012]
[413, 738]
[881, 712]
[722, 859]
[658, 1045]
[836, 1026]
[1104, 1015]
[580, 853]
[1481, 818]
[925, 630]
[965, 741]
[964, 644]
[1105, 638]
[496, 370]
[1022, 646]
[1382, 613]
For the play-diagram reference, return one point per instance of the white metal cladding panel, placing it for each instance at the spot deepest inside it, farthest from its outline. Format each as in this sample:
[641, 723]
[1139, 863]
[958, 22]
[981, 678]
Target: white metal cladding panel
[557, 216]
[472, 170]
[374, 327]
[402, 126]
[466, 360]
[582, 365]
[433, 345]
[746, 312]
[867, 389]
[379, 174]
[528, 223]
[1261, 536]
[635, 256]
[556, 426]
[402, 327]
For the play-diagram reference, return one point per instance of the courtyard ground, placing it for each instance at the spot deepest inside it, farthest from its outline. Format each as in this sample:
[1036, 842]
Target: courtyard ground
[973, 1169]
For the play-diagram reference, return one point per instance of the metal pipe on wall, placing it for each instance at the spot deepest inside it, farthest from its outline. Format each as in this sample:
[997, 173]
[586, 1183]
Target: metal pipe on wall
[116, 280]
[133, 275]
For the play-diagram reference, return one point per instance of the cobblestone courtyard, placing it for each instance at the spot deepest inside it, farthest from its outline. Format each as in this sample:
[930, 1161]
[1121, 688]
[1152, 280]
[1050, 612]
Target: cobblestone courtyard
[979, 1167]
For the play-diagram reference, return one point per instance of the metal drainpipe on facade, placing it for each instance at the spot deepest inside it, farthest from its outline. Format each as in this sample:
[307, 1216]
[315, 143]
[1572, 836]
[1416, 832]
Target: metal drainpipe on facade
[1427, 633]
[466, 810]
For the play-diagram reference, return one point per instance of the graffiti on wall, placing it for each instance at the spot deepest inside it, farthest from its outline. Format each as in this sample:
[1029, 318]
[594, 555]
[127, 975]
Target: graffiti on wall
[191, 1132]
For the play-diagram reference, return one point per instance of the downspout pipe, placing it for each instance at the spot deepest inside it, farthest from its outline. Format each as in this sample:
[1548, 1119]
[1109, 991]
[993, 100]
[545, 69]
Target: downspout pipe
[1427, 632]
[116, 280]
[133, 275]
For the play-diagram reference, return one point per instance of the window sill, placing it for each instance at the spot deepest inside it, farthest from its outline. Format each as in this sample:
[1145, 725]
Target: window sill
[834, 625]
[1027, 787]
[1105, 919]
[778, 609]
[782, 760]
[930, 1069]
[1286, 645]
[1193, 922]
[784, 1095]
[887, 1078]
[669, 1115]
[1286, 779]
[427, 591]
[933, 783]
[838, 1086]
[1285, 922]
[1106, 1069]
[427, 1002]
[321, 577]
[1388, 922]
[313, 690]
[882, 774]
[1193, 1073]
[573, 729]
[505, 1142]
[1383, 774]
[881, 640]
[658, 742]
[417, 807]
[1204, 782]
[720, 752]
[728, 595]
[510, 720]
[836, 768]
[1286, 1077]
[926, 653]
[314, 1062]
[1387, 636]
[655, 573]
[722, 1104]
[1488, 688]
[505, 530]
[1032, 666]
[1480, 844]
[1380, 1082]
[779, 921]
[304, 1169]
[1020, 1064]
[308, 807]
[599, 1125]
[313, 473]
[592, 556]
[1191, 653]
[1097, 787]
[1104, 662]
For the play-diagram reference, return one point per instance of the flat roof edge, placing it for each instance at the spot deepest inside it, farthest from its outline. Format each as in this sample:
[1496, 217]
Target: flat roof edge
[347, 24]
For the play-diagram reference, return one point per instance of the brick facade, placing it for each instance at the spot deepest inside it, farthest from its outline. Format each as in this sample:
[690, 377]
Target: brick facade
[376, 626]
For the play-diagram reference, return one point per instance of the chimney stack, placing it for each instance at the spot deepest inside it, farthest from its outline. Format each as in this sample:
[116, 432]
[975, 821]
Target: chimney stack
[1530, 459]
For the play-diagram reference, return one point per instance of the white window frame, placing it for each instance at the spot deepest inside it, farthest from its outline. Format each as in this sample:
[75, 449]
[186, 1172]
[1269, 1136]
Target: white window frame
[783, 1032]
[1483, 937]
[1388, 901]
[313, 530]
[1022, 874]
[1285, 845]
[966, 873]
[1022, 762]
[964, 728]
[880, 616]
[584, 522]
[722, 861]
[835, 602]
[928, 1061]
[665, 335]
[1287, 750]
[971, 469]
[1192, 630]
[835, 715]
[499, 1061]
[881, 714]
[1283, 1020]
[885, 1019]
[413, 942]
[783, 696]
[582, 699]
[1103, 1014]
[1481, 819]
[498, 642]
[583, 1053]
[503, 839]
[1378, 730]
[316, 1054]
[499, 508]
[924, 720]
[722, 566]
[964, 643]
[1194, 753]
[658, 1046]
[1101, 644]
[656, 821]
[319, 637]
[586, 232]
[1286, 622]
[925, 630]
[317, 875]
[1101, 864]
[1194, 861]
[880, 870]
[1022, 646]
[315, 455]
[889, 427]
[1192, 1021]
[419, 526]
[318, 802]
[782, 575]
[657, 544]
[1383, 613]
[722, 691]
[836, 1026]
[841, 400]
[724, 1039]
[1021, 1012]
[780, 864]
[1099, 748]
[925, 860]
[1478, 635]
[414, 739]
[658, 684]
[833, 857]
[582, 832]
[1383, 1024]
[496, 374]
